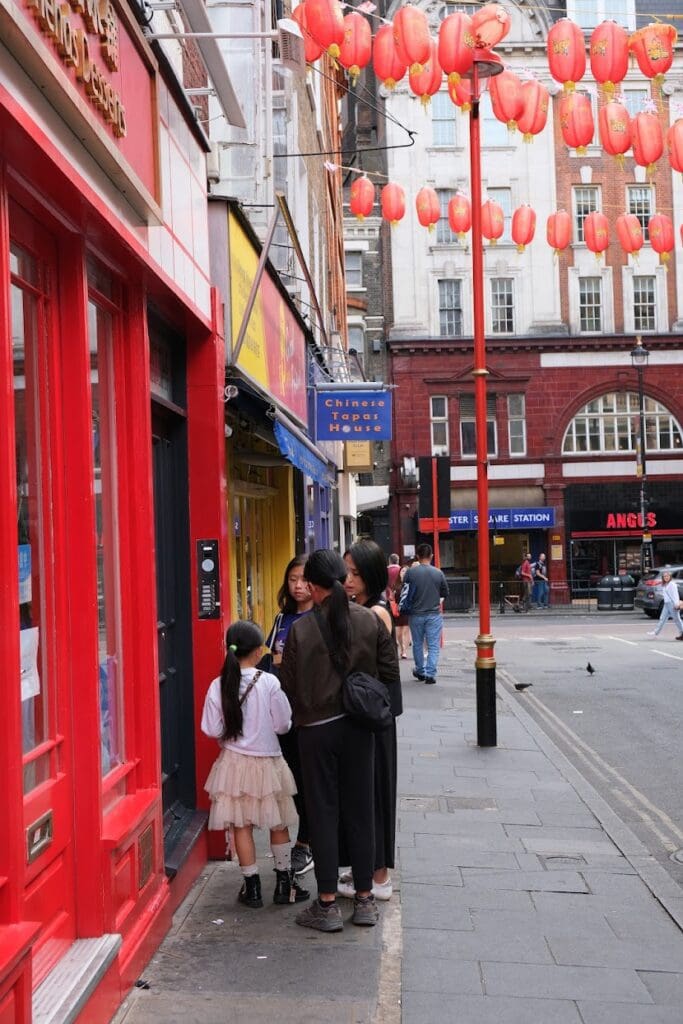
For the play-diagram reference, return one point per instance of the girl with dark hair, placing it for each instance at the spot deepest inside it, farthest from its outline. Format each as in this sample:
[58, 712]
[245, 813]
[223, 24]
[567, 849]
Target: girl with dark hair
[250, 783]
[366, 584]
[294, 600]
[336, 751]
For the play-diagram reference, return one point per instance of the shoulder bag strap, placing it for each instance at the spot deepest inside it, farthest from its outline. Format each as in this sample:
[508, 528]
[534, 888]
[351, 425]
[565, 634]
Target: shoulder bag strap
[251, 686]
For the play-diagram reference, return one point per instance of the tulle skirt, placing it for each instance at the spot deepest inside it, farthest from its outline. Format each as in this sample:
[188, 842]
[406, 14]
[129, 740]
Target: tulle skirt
[248, 790]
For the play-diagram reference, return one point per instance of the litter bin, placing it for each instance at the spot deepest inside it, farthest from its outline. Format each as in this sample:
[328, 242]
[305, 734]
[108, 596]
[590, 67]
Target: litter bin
[628, 592]
[607, 592]
[459, 594]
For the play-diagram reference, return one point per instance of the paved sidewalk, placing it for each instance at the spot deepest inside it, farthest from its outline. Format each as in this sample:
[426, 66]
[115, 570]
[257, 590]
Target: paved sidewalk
[522, 900]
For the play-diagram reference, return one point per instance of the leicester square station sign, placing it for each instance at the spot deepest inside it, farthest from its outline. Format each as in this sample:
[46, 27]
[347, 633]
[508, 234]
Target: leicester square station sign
[76, 28]
[353, 416]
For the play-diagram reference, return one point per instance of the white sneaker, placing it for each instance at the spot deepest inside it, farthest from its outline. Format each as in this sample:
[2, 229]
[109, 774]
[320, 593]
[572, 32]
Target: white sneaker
[651, 633]
[380, 890]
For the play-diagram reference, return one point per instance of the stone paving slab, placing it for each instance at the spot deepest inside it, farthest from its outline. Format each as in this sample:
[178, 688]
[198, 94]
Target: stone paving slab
[431, 1008]
[557, 982]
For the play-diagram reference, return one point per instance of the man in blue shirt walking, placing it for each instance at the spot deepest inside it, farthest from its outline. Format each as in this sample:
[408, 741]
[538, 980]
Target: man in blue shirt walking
[428, 588]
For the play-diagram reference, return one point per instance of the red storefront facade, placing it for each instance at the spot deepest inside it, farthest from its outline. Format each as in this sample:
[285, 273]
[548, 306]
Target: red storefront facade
[111, 473]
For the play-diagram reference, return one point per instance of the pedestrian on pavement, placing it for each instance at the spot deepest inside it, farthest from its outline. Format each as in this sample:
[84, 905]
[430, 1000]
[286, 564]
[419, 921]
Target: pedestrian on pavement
[541, 582]
[401, 621]
[670, 607]
[250, 784]
[337, 753]
[294, 600]
[427, 588]
[527, 579]
[366, 585]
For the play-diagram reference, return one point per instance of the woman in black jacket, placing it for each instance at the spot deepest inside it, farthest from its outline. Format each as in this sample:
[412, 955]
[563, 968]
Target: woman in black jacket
[337, 754]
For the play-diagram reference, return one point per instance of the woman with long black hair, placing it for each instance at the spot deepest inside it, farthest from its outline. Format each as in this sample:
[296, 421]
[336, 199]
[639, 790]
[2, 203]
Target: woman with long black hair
[366, 585]
[337, 754]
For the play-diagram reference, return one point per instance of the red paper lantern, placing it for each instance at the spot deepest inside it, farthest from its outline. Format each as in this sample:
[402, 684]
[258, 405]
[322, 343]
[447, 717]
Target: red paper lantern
[566, 53]
[393, 199]
[507, 98]
[312, 50]
[388, 66]
[326, 24]
[461, 94]
[427, 206]
[492, 221]
[661, 233]
[426, 82]
[459, 215]
[412, 38]
[614, 123]
[536, 99]
[456, 45]
[559, 230]
[596, 233]
[630, 233]
[356, 49]
[609, 54]
[653, 47]
[523, 227]
[647, 140]
[576, 120]
[490, 24]
[674, 142]
[362, 198]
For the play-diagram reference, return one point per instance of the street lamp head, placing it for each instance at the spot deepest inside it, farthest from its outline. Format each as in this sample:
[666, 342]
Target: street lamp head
[486, 62]
[639, 354]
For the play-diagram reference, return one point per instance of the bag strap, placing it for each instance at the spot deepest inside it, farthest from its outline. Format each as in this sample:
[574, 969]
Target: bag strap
[251, 686]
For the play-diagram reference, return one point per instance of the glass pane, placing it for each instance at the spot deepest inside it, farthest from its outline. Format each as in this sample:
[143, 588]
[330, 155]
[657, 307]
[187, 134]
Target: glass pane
[469, 444]
[32, 516]
[438, 406]
[106, 509]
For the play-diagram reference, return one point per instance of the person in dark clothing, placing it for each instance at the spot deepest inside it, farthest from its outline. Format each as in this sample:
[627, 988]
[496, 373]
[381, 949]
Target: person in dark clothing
[294, 600]
[366, 584]
[337, 753]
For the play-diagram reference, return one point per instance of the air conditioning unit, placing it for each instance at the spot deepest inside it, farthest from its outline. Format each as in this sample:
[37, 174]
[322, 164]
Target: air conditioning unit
[291, 45]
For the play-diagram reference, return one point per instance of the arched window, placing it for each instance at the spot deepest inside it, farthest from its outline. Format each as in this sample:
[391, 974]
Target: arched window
[611, 425]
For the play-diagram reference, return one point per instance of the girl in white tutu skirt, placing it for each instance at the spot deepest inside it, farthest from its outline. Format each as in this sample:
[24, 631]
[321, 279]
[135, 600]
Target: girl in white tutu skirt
[250, 783]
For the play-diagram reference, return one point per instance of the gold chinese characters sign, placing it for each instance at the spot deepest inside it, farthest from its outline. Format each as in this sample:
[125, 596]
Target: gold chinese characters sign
[358, 455]
[73, 28]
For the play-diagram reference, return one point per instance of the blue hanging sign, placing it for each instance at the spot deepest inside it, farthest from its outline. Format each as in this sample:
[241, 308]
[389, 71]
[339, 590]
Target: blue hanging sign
[353, 416]
[504, 519]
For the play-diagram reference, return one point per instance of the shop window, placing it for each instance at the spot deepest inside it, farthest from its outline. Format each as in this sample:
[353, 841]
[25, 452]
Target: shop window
[468, 432]
[353, 267]
[517, 424]
[502, 306]
[611, 425]
[101, 327]
[640, 203]
[438, 417]
[444, 235]
[590, 304]
[34, 525]
[443, 120]
[586, 200]
[450, 308]
[503, 196]
[644, 304]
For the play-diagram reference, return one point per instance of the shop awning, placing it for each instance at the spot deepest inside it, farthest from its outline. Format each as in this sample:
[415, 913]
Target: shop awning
[369, 497]
[302, 454]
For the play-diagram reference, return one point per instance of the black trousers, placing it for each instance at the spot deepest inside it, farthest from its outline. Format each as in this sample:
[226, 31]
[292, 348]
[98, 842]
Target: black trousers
[337, 762]
[289, 745]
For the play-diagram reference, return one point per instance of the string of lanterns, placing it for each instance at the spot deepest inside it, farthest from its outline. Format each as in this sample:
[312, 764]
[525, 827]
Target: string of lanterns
[406, 46]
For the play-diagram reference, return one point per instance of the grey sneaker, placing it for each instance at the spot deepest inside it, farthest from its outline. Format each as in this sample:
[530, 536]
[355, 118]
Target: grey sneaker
[365, 911]
[302, 860]
[321, 918]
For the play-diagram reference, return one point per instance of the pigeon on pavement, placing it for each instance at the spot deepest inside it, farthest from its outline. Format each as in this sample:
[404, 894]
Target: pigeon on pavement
[523, 686]
[589, 669]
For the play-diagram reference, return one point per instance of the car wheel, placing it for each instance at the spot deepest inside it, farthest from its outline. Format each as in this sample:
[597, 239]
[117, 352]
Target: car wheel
[651, 614]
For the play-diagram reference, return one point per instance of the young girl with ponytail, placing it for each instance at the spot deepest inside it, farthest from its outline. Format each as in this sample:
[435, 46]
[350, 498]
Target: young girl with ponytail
[250, 784]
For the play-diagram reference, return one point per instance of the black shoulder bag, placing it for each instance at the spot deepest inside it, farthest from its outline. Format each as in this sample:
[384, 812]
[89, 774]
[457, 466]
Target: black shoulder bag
[364, 698]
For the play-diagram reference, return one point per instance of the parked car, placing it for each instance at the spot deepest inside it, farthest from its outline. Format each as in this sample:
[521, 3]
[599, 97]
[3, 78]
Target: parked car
[649, 590]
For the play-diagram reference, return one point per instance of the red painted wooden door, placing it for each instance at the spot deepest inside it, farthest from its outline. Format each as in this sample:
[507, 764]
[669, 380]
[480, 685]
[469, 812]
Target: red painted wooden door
[45, 701]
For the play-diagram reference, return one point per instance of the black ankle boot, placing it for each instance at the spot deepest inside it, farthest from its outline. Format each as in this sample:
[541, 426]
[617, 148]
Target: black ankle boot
[250, 893]
[287, 890]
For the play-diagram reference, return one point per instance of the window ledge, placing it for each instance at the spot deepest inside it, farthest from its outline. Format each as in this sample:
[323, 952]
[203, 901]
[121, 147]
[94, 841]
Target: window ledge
[125, 817]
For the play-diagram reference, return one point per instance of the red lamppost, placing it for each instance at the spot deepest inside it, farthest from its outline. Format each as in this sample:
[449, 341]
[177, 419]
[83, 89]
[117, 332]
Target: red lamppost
[485, 64]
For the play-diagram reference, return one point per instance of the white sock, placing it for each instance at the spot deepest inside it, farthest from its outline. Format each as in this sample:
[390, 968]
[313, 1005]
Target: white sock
[249, 869]
[282, 855]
